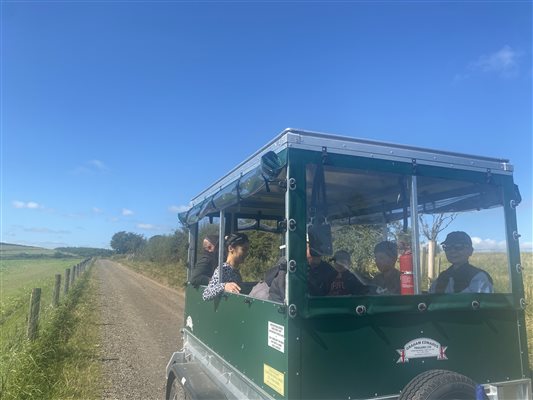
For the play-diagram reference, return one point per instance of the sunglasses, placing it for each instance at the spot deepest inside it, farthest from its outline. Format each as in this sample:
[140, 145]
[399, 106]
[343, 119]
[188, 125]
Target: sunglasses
[454, 247]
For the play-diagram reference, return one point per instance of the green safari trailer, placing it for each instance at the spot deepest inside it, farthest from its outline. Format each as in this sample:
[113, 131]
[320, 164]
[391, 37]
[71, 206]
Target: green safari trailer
[342, 193]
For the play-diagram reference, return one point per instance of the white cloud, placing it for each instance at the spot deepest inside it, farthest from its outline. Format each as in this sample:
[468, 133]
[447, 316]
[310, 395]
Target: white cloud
[46, 230]
[30, 204]
[152, 227]
[495, 245]
[178, 209]
[19, 204]
[97, 210]
[91, 167]
[526, 246]
[488, 244]
[99, 165]
[147, 227]
[126, 212]
[503, 62]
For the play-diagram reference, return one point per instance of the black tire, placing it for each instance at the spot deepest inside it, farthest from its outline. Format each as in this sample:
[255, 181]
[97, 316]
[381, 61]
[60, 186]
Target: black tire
[439, 384]
[175, 390]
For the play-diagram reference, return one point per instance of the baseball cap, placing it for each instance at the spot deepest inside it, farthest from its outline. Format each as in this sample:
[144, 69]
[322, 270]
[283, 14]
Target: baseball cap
[458, 237]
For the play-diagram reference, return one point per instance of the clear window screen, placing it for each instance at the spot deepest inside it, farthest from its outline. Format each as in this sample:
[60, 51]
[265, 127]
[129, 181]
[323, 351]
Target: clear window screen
[447, 206]
[362, 209]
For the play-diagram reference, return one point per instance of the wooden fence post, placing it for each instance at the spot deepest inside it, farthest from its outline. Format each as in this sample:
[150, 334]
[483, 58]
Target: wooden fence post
[35, 305]
[67, 279]
[57, 288]
[72, 275]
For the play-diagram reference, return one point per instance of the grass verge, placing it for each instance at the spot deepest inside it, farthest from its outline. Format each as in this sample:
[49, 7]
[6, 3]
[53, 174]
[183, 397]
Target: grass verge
[62, 363]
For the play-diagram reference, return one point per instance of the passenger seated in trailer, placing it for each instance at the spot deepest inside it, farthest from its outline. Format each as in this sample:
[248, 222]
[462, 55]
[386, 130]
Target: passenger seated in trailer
[345, 282]
[277, 287]
[227, 277]
[204, 268]
[272, 287]
[320, 274]
[388, 279]
[461, 276]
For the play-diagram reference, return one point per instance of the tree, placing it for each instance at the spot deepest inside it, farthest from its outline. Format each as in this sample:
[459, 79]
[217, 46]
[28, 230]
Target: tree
[359, 241]
[180, 245]
[263, 254]
[431, 227]
[439, 222]
[127, 242]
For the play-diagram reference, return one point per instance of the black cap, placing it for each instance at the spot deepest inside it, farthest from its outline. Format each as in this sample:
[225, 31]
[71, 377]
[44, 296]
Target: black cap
[458, 237]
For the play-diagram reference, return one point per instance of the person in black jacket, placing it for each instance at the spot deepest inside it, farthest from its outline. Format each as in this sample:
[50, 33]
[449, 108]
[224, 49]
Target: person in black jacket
[461, 276]
[275, 279]
[320, 273]
[345, 282]
[204, 268]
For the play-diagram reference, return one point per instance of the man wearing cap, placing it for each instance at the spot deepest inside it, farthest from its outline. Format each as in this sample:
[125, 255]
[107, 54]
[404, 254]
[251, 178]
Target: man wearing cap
[345, 282]
[461, 276]
[204, 268]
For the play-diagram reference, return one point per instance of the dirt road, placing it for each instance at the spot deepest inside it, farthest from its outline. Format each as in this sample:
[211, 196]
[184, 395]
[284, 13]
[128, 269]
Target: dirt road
[141, 322]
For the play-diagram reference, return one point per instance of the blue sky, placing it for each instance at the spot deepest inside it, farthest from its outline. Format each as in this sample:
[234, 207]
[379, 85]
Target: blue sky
[116, 114]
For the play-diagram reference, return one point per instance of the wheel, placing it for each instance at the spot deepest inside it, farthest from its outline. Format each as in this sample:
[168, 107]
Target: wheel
[439, 384]
[175, 391]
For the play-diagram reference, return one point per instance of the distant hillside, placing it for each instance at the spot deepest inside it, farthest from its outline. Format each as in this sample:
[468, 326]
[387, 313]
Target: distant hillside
[86, 251]
[15, 251]
[8, 250]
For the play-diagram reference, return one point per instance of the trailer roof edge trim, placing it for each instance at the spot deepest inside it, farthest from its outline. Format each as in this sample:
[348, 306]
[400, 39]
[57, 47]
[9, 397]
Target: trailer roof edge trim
[337, 144]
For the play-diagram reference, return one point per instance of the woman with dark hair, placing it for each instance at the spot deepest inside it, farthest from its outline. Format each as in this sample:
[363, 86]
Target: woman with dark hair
[227, 278]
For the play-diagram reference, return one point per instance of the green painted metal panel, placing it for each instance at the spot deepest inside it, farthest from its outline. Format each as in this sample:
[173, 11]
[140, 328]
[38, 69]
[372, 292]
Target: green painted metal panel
[357, 357]
[236, 328]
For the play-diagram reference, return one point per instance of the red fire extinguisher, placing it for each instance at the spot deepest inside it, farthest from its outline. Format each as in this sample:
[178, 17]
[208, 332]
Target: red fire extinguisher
[407, 285]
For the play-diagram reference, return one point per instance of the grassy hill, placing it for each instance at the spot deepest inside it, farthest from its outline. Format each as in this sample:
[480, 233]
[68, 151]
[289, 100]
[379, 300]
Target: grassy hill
[9, 251]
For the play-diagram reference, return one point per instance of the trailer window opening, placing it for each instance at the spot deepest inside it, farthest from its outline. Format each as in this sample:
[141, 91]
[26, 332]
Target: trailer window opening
[360, 209]
[454, 205]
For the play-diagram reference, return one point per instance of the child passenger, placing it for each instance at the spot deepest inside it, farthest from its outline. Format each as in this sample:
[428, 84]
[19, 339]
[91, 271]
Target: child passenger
[386, 254]
[227, 278]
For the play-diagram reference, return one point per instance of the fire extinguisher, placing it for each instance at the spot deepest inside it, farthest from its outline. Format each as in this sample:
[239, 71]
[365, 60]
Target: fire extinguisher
[407, 285]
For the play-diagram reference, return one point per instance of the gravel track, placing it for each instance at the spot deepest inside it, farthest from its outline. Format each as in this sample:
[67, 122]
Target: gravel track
[140, 329]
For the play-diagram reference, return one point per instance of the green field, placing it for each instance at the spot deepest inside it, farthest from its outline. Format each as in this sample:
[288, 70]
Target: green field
[18, 277]
[60, 342]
